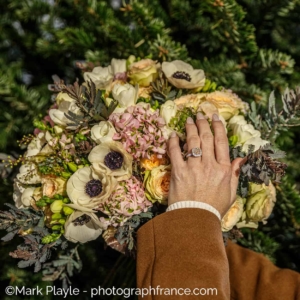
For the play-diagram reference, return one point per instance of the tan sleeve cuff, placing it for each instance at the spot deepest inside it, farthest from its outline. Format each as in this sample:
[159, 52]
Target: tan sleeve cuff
[194, 204]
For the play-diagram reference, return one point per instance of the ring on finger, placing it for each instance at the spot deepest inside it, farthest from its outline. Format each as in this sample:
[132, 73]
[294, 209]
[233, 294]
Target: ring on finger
[195, 152]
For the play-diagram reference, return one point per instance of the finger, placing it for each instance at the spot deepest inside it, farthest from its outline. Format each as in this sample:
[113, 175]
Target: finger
[174, 151]
[206, 138]
[221, 141]
[192, 137]
[235, 173]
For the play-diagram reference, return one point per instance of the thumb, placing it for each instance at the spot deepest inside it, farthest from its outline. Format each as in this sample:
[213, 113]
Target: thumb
[235, 167]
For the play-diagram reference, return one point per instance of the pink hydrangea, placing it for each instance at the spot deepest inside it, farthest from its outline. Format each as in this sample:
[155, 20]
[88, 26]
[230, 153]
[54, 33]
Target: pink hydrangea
[126, 200]
[141, 131]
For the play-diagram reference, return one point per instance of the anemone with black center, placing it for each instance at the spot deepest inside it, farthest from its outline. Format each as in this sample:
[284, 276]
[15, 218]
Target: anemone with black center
[182, 75]
[82, 220]
[113, 160]
[93, 188]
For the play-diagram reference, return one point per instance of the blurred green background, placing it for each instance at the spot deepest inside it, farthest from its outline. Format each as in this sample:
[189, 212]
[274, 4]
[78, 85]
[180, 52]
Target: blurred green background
[250, 46]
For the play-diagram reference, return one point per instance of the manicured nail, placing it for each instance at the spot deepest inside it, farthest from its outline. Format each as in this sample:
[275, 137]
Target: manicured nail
[215, 117]
[189, 120]
[173, 134]
[200, 116]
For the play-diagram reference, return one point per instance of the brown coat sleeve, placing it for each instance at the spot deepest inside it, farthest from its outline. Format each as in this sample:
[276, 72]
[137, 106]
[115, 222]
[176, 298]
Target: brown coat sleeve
[183, 249]
[254, 277]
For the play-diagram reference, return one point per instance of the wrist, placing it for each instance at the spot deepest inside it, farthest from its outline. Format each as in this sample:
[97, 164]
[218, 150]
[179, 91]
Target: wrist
[194, 204]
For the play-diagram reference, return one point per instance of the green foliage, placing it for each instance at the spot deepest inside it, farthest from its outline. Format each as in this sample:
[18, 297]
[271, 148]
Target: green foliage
[63, 267]
[259, 242]
[91, 104]
[272, 122]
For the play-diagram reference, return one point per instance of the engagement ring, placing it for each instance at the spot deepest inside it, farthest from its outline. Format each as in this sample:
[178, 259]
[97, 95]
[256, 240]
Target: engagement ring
[195, 152]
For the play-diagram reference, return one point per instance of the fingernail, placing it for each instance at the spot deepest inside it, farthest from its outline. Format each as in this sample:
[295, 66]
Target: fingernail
[215, 117]
[200, 116]
[189, 120]
[173, 134]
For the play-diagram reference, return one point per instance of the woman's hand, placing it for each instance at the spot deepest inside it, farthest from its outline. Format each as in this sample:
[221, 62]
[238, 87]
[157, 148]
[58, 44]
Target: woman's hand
[211, 178]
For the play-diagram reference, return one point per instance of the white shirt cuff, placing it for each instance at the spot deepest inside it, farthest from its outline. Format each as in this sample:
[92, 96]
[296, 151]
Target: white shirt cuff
[194, 204]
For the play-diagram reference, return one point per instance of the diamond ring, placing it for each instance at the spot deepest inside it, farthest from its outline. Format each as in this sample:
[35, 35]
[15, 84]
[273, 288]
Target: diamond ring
[195, 152]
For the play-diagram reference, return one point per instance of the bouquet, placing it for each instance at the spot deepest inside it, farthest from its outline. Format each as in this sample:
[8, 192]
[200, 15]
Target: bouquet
[97, 167]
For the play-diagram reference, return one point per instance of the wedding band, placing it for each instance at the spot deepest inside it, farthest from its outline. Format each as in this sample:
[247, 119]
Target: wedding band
[195, 152]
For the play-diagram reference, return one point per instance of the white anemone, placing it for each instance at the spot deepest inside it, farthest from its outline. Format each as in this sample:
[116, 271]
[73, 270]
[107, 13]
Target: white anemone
[183, 75]
[87, 190]
[83, 227]
[104, 162]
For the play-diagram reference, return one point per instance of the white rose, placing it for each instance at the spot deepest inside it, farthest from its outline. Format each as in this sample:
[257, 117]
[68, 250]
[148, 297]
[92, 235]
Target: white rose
[83, 227]
[65, 106]
[102, 77]
[125, 94]
[234, 214]
[257, 142]
[103, 132]
[242, 129]
[28, 174]
[168, 111]
[237, 120]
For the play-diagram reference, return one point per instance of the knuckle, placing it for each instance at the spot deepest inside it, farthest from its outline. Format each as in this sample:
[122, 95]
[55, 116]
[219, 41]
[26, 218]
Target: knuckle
[173, 148]
[207, 136]
[226, 172]
[221, 141]
[193, 139]
[177, 175]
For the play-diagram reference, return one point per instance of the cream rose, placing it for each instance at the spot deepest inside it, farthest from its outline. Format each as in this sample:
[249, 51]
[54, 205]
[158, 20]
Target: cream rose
[209, 109]
[87, 190]
[183, 75]
[261, 201]
[143, 72]
[125, 94]
[83, 227]
[168, 111]
[242, 130]
[111, 159]
[227, 103]
[103, 132]
[53, 185]
[192, 101]
[102, 77]
[157, 184]
[234, 214]
[145, 92]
